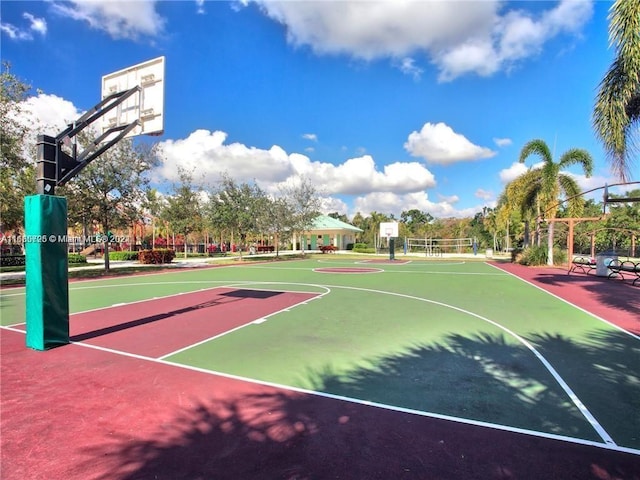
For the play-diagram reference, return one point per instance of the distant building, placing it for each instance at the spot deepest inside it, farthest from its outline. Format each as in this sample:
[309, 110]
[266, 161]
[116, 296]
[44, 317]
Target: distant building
[327, 230]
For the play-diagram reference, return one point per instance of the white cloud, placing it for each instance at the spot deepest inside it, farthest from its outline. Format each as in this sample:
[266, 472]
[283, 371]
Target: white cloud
[392, 203]
[38, 25]
[484, 194]
[310, 136]
[407, 65]
[48, 114]
[511, 173]
[438, 143]
[483, 38]
[333, 204]
[451, 199]
[44, 115]
[119, 19]
[502, 142]
[14, 33]
[207, 153]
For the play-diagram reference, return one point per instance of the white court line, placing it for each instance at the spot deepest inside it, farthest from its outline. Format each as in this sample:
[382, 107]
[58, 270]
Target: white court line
[233, 284]
[637, 337]
[533, 433]
[263, 319]
[574, 398]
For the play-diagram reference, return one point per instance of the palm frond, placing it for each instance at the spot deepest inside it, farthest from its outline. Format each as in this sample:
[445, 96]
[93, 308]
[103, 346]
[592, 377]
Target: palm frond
[536, 147]
[617, 106]
[577, 156]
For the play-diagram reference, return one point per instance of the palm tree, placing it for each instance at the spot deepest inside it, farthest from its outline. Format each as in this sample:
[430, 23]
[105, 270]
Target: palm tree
[518, 196]
[551, 183]
[617, 108]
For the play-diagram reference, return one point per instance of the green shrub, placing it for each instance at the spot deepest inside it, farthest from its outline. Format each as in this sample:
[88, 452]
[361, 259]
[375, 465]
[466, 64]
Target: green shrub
[124, 255]
[559, 256]
[534, 255]
[363, 249]
[538, 255]
[12, 261]
[158, 256]
[76, 258]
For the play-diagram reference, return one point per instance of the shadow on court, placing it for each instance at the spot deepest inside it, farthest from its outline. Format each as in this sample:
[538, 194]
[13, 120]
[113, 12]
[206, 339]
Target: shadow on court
[287, 435]
[612, 299]
[221, 299]
[485, 379]
[120, 417]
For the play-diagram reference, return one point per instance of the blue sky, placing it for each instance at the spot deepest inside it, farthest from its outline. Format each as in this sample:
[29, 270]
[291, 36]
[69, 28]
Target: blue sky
[384, 106]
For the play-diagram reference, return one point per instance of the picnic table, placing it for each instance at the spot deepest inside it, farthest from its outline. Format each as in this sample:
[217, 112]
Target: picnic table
[626, 267]
[582, 264]
[328, 248]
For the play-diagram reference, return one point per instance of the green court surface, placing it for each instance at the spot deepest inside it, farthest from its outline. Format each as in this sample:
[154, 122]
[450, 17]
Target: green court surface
[462, 340]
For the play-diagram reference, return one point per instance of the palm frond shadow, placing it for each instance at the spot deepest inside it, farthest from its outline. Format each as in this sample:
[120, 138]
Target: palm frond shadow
[614, 293]
[277, 434]
[482, 378]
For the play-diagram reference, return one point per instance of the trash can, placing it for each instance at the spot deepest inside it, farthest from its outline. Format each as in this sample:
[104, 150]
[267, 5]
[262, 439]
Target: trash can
[603, 260]
[489, 253]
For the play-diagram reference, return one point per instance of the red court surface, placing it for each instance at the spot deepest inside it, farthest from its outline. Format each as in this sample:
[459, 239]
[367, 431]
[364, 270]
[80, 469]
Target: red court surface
[611, 299]
[158, 327]
[78, 412]
[347, 270]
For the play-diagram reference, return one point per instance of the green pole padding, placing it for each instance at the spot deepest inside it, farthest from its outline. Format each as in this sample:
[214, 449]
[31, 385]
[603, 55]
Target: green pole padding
[47, 282]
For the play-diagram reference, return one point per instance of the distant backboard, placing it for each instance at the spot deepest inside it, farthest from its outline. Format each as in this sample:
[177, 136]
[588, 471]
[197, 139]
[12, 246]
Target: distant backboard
[147, 106]
[388, 229]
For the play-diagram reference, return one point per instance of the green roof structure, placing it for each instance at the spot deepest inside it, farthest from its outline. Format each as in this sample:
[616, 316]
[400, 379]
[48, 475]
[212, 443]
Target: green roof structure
[325, 231]
[325, 222]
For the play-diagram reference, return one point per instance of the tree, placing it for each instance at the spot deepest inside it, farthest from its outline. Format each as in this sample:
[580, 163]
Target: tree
[236, 207]
[17, 173]
[182, 209]
[372, 230]
[339, 216]
[153, 205]
[303, 204]
[520, 197]
[617, 107]
[552, 182]
[273, 218]
[417, 221]
[111, 189]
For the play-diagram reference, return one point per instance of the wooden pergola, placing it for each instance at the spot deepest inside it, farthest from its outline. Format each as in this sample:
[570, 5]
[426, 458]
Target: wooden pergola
[606, 199]
[572, 222]
[593, 237]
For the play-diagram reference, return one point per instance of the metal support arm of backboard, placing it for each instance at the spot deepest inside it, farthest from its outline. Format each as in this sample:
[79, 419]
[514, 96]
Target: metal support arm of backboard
[88, 154]
[62, 166]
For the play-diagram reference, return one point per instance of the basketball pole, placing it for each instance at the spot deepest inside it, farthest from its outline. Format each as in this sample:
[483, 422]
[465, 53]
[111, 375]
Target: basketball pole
[46, 251]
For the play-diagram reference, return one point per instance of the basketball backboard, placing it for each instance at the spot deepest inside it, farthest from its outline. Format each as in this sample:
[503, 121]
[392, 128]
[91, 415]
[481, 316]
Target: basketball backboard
[147, 106]
[388, 229]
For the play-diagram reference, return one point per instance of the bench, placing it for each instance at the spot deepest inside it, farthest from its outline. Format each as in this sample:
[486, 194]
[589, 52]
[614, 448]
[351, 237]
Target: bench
[627, 267]
[265, 248]
[328, 248]
[582, 264]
